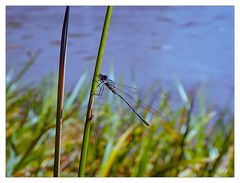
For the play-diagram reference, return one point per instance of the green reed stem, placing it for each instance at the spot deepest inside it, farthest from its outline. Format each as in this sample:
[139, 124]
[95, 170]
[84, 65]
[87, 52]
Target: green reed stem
[89, 115]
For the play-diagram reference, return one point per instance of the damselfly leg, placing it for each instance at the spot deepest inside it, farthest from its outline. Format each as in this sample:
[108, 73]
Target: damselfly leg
[100, 88]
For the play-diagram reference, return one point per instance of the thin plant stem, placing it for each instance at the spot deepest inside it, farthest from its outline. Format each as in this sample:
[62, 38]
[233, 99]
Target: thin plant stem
[61, 74]
[89, 116]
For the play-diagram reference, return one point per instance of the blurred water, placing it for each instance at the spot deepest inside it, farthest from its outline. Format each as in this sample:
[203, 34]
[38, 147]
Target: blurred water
[193, 44]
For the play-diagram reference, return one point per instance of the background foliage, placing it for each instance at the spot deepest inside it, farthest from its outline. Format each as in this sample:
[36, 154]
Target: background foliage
[199, 143]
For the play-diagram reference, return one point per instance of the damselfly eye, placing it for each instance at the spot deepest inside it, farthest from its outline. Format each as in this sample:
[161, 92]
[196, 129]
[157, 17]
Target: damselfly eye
[103, 77]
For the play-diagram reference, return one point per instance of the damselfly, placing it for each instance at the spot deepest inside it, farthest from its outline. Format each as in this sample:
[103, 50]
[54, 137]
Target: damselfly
[104, 81]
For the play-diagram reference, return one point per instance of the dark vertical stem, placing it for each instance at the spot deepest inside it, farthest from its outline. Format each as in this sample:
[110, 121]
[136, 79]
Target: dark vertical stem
[89, 115]
[60, 94]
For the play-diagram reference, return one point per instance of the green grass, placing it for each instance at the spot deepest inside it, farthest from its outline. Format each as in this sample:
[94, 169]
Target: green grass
[190, 144]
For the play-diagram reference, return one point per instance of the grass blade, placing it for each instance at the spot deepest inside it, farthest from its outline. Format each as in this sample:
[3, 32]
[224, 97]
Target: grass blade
[122, 141]
[24, 69]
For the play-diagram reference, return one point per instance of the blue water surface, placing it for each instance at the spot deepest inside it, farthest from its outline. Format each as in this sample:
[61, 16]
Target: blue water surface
[193, 44]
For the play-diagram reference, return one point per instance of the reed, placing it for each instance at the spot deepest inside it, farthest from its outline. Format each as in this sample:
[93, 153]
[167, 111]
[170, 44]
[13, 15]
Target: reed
[60, 96]
[89, 115]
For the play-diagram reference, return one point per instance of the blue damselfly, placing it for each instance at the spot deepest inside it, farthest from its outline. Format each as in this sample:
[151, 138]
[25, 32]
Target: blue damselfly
[104, 81]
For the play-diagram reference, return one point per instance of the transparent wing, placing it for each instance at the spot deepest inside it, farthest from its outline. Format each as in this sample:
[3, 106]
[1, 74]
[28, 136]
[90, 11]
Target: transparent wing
[141, 92]
[138, 102]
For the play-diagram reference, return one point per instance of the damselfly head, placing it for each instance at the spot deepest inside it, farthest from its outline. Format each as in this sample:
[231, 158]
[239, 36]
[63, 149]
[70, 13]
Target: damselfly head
[102, 77]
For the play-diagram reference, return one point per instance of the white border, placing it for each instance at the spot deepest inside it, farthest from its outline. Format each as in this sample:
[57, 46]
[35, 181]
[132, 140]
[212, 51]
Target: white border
[121, 2]
[4, 3]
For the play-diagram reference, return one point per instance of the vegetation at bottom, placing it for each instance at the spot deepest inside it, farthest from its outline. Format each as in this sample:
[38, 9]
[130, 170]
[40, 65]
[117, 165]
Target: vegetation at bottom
[190, 143]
